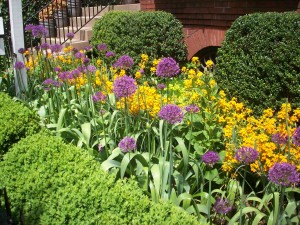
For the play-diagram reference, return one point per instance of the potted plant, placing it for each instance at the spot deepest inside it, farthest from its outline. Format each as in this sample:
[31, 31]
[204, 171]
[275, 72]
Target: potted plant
[56, 10]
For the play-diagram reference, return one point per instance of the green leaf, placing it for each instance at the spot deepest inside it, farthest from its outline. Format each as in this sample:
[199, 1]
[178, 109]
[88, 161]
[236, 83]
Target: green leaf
[86, 132]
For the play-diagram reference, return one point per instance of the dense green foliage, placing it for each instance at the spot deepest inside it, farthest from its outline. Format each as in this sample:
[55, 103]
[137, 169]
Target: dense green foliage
[56, 183]
[133, 33]
[259, 61]
[16, 122]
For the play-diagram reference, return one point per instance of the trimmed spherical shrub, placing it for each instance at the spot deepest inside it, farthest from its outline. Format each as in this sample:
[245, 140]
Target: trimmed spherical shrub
[157, 34]
[16, 122]
[51, 182]
[259, 60]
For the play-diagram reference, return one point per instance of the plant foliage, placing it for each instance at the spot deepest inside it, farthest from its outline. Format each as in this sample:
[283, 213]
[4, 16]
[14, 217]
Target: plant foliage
[51, 182]
[259, 61]
[154, 33]
[16, 122]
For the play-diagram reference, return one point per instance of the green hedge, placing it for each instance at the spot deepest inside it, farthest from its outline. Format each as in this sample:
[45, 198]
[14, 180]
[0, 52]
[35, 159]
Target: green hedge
[57, 183]
[16, 122]
[133, 33]
[259, 60]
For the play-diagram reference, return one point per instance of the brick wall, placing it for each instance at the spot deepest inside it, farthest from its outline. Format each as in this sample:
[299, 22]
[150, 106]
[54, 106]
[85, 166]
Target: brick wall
[216, 13]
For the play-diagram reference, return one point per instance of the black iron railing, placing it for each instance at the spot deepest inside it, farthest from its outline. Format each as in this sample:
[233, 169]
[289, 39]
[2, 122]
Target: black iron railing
[61, 17]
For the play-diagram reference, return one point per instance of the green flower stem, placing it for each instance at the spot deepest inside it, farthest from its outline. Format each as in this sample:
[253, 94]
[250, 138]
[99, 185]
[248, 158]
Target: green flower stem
[281, 207]
[209, 200]
[242, 198]
[171, 166]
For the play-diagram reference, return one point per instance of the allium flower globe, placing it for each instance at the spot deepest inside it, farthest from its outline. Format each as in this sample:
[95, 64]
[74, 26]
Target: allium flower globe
[222, 206]
[284, 174]
[99, 97]
[70, 35]
[127, 144]
[296, 137]
[19, 65]
[171, 113]
[167, 67]
[279, 138]
[246, 155]
[192, 108]
[124, 62]
[210, 158]
[124, 86]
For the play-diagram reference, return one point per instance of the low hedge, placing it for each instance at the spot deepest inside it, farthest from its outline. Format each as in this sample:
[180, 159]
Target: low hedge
[134, 33]
[51, 182]
[259, 60]
[16, 122]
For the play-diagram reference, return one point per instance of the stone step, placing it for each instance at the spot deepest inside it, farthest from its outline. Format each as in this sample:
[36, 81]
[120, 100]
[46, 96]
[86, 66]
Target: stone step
[80, 21]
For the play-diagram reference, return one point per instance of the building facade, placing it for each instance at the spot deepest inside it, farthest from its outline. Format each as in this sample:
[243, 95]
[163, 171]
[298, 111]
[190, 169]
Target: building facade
[206, 21]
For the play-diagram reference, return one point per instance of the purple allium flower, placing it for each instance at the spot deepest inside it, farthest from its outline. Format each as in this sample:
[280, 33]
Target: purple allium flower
[86, 61]
[210, 158]
[296, 137]
[102, 47]
[124, 62]
[192, 108]
[70, 35]
[19, 65]
[127, 144]
[279, 138]
[57, 69]
[284, 174]
[39, 31]
[81, 69]
[99, 97]
[45, 46]
[246, 155]
[109, 54]
[161, 86]
[66, 75]
[124, 86]
[88, 48]
[56, 48]
[222, 206]
[141, 71]
[75, 50]
[79, 55]
[29, 27]
[48, 82]
[75, 73]
[21, 50]
[167, 67]
[91, 68]
[37, 48]
[171, 113]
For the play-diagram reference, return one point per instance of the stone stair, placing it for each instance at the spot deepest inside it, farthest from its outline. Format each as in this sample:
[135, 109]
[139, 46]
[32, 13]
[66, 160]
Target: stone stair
[83, 36]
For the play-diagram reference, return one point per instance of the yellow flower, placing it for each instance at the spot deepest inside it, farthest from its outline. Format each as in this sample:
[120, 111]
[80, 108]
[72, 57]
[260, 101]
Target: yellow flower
[138, 75]
[209, 63]
[183, 69]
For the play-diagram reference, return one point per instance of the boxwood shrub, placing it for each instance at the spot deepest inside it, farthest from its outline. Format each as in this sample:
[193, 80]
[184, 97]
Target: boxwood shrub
[16, 122]
[259, 60]
[133, 33]
[51, 182]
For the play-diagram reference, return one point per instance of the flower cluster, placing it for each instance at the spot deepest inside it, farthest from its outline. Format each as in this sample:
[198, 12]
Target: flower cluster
[210, 158]
[284, 174]
[279, 138]
[171, 113]
[70, 35]
[99, 97]
[127, 144]
[246, 155]
[222, 206]
[192, 108]
[19, 65]
[102, 47]
[296, 137]
[124, 86]
[124, 62]
[167, 67]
